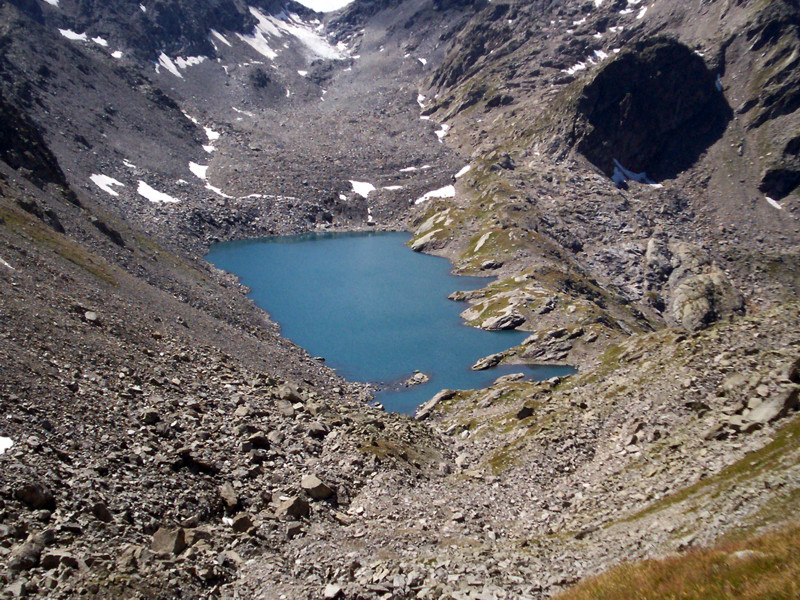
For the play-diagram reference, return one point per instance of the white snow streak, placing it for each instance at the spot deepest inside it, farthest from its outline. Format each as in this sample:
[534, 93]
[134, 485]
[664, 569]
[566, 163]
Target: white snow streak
[154, 195]
[447, 191]
[6, 443]
[209, 149]
[463, 171]
[166, 62]
[198, 170]
[773, 203]
[104, 183]
[100, 41]
[424, 61]
[218, 191]
[393, 188]
[220, 37]
[6, 265]
[71, 35]
[362, 188]
[189, 61]
[213, 136]
[52, 2]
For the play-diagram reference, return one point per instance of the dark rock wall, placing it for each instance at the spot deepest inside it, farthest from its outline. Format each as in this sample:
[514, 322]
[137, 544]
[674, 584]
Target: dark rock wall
[654, 109]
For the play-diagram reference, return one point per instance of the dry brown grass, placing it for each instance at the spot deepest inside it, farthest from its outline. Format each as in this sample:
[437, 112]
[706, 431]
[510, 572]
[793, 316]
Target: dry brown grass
[767, 568]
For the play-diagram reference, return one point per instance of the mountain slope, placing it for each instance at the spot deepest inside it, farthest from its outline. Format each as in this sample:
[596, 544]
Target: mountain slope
[626, 171]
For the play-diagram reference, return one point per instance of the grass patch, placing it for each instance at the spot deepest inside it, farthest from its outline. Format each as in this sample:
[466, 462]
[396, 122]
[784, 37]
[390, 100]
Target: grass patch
[787, 439]
[22, 223]
[769, 568]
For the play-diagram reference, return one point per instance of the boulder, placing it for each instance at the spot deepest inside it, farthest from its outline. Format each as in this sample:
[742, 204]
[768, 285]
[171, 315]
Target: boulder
[425, 409]
[36, 495]
[503, 322]
[316, 488]
[228, 495]
[776, 407]
[242, 523]
[169, 541]
[101, 512]
[52, 559]
[290, 393]
[702, 299]
[487, 362]
[294, 508]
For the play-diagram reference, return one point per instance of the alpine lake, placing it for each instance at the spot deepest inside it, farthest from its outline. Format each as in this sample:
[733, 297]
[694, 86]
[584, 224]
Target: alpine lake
[374, 310]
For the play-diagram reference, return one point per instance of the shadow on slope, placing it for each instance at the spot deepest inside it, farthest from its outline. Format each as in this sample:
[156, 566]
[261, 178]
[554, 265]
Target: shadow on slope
[655, 109]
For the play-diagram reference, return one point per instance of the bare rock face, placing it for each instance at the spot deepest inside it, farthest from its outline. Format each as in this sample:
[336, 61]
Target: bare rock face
[654, 109]
[702, 299]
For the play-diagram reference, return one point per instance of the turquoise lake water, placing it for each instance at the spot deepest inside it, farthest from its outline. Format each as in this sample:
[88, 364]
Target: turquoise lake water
[375, 310]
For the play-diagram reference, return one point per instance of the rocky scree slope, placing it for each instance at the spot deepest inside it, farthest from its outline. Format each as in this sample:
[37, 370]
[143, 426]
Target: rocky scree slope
[167, 442]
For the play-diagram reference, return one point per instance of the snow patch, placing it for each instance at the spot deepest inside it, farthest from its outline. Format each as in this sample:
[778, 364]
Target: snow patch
[718, 83]
[575, 68]
[166, 62]
[421, 101]
[258, 39]
[52, 2]
[100, 41]
[213, 136]
[621, 175]
[71, 35]
[642, 12]
[463, 171]
[143, 8]
[104, 183]
[424, 61]
[443, 131]
[362, 188]
[117, 54]
[209, 149]
[447, 191]
[773, 203]
[393, 188]
[6, 443]
[242, 112]
[302, 73]
[220, 37]
[154, 195]
[189, 61]
[6, 265]
[218, 191]
[342, 197]
[198, 170]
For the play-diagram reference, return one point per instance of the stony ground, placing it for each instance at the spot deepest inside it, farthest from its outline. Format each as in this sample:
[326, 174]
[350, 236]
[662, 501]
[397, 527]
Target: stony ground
[167, 442]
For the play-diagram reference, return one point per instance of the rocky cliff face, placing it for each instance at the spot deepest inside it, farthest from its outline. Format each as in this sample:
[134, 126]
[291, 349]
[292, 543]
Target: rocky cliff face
[626, 174]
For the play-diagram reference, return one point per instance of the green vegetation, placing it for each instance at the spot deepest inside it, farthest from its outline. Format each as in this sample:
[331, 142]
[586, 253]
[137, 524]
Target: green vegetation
[22, 223]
